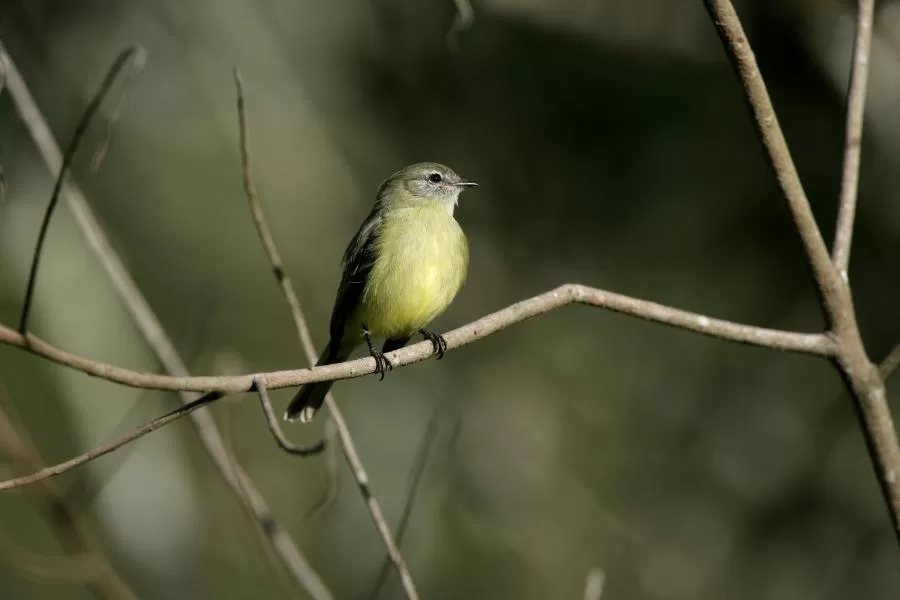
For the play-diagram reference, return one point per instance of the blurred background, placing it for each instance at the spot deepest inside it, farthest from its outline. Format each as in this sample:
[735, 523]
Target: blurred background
[613, 148]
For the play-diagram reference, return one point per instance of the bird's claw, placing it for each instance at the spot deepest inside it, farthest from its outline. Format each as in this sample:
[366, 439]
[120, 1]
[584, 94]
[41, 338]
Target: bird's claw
[437, 342]
[382, 363]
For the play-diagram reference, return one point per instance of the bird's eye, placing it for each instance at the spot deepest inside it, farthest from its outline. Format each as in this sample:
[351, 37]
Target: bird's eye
[435, 178]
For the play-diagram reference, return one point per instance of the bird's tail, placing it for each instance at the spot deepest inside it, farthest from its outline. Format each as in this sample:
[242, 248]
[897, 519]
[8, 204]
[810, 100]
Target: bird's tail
[310, 397]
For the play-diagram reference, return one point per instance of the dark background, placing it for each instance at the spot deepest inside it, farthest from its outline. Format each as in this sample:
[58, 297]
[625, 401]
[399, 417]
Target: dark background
[613, 148]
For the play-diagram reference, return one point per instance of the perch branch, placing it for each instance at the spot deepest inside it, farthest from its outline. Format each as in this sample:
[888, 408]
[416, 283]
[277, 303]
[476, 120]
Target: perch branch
[287, 288]
[804, 343]
[150, 327]
[856, 106]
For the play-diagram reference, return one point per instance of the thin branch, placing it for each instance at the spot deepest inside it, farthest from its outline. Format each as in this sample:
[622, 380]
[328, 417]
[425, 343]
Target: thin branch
[739, 51]
[856, 106]
[889, 363]
[859, 374]
[3, 74]
[349, 447]
[418, 471]
[272, 421]
[462, 21]
[594, 584]
[104, 449]
[138, 63]
[150, 327]
[332, 476]
[67, 524]
[816, 344]
[80, 129]
[44, 568]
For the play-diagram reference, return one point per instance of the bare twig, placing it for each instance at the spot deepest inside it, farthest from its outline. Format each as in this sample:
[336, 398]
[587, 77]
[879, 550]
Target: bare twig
[44, 568]
[889, 363]
[350, 452]
[272, 421]
[415, 479]
[816, 344]
[3, 69]
[140, 59]
[856, 106]
[332, 475]
[859, 374]
[104, 449]
[82, 126]
[741, 54]
[68, 526]
[462, 20]
[150, 327]
[594, 584]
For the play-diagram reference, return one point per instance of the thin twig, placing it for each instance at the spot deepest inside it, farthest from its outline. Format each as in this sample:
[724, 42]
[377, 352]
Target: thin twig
[86, 118]
[332, 475]
[415, 479]
[350, 452]
[272, 421]
[462, 20]
[889, 363]
[151, 329]
[137, 65]
[594, 584]
[104, 449]
[816, 344]
[71, 531]
[3, 70]
[859, 374]
[856, 106]
[739, 51]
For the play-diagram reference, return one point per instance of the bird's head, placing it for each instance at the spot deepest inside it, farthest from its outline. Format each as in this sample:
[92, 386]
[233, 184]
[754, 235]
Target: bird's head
[425, 182]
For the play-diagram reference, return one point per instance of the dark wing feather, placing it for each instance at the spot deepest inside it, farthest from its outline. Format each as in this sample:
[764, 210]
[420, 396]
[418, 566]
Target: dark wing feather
[358, 260]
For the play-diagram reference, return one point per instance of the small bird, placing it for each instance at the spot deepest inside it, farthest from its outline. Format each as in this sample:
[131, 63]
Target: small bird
[401, 270]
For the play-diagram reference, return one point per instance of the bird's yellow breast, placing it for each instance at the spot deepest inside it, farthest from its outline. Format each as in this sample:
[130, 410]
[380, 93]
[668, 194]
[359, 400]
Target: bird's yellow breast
[421, 264]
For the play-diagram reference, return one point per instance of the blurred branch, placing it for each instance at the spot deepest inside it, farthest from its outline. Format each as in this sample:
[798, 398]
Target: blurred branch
[859, 374]
[594, 584]
[86, 118]
[856, 108]
[138, 63]
[889, 363]
[803, 343]
[287, 288]
[416, 478]
[465, 16]
[104, 449]
[150, 327]
[96, 571]
[3, 69]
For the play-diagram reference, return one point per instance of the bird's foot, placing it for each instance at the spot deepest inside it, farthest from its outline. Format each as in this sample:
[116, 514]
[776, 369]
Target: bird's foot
[437, 341]
[382, 363]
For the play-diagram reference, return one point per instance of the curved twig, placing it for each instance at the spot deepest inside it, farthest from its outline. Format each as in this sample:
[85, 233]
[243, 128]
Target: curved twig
[83, 123]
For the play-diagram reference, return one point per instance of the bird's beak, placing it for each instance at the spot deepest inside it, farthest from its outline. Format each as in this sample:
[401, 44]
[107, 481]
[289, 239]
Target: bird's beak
[465, 184]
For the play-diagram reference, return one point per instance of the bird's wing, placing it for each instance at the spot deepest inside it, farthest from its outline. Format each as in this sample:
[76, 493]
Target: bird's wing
[358, 260]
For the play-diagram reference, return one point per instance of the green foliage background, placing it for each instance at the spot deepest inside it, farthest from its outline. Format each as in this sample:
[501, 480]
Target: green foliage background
[613, 148]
